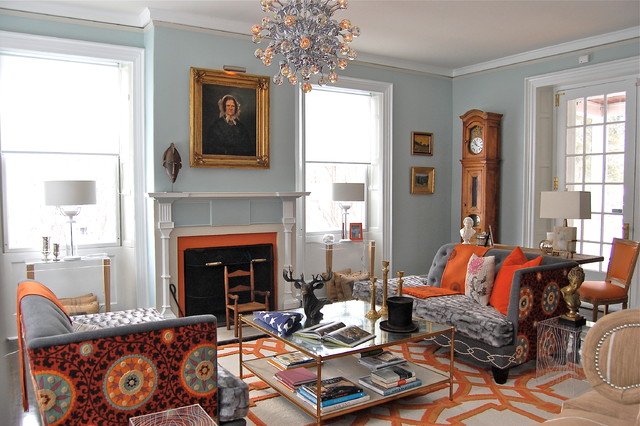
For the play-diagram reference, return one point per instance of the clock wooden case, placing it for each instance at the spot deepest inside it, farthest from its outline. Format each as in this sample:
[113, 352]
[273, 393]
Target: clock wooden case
[481, 170]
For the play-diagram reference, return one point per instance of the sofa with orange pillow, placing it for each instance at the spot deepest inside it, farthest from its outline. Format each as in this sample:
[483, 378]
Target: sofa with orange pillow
[498, 298]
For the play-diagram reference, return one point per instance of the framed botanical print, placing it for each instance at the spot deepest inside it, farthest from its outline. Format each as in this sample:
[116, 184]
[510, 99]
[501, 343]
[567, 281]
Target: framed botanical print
[229, 119]
[421, 143]
[423, 180]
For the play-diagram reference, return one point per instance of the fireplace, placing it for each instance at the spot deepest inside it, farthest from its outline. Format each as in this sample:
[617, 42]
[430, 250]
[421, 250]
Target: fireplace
[204, 276]
[201, 262]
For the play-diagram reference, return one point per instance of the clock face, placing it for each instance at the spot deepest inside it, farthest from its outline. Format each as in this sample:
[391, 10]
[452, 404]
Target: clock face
[476, 145]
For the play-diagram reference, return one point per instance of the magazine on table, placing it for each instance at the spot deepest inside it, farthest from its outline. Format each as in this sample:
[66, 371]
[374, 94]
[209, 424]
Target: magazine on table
[367, 383]
[337, 333]
[381, 360]
[332, 388]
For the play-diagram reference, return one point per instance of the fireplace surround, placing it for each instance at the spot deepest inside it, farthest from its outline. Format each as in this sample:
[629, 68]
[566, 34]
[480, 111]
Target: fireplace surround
[175, 212]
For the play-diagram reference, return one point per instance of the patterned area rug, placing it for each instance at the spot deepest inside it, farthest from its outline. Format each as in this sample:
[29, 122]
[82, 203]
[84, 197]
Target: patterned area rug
[477, 399]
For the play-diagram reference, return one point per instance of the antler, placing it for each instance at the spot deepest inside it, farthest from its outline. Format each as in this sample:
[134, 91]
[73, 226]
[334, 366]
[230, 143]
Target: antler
[287, 274]
[320, 279]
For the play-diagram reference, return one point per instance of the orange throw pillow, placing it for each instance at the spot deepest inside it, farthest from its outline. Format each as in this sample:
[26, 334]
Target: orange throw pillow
[502, 284]
[455, 271]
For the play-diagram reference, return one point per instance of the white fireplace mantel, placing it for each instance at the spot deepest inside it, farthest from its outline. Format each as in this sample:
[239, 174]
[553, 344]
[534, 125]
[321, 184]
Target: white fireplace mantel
[166, 225]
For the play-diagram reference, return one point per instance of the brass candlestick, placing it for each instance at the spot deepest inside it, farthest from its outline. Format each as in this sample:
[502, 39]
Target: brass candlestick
[400, 282]
[46, 248]
[56, 252]
[373, 314]
[385, 283]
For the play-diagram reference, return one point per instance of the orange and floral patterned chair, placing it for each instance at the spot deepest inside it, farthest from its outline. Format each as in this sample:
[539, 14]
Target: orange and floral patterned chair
[104, 376]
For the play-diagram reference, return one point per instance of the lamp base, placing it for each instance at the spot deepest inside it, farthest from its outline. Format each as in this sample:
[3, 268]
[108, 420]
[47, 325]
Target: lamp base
[564, 238]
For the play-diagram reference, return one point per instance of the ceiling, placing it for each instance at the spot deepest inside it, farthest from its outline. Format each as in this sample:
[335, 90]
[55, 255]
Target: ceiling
[450, 37]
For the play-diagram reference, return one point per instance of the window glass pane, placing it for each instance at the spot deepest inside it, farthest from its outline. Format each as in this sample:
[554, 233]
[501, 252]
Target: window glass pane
[594, 142]
[31, 219]
[593, 249]
[575, 112]
[592, 228]
[596, 197]
[615, 168]
[323, 214]
[593, 168]
[616, 106]
[346, 137]
[612, 227]
[595, 110]
[574, 169]
[58, 105]
[613, 198]
[575, 144]
[615, 137]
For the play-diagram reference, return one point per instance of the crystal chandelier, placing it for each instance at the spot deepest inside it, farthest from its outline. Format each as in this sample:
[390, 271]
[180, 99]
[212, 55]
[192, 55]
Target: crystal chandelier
[311, 43]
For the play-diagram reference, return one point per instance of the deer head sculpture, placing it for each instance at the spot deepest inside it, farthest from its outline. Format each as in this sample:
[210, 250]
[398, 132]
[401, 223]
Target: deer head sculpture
[310, 302]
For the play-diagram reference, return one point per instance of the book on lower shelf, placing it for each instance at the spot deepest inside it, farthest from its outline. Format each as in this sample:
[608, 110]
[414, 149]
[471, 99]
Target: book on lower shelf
[381, 359]
[337, 333]
[369, 384]
[311, 398]
[393, 374]
[332, 388]
[336, 406]
[295, 377]
[291, 360]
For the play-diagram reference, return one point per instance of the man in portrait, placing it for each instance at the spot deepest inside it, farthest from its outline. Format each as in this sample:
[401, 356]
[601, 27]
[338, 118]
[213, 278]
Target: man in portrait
[228, 135]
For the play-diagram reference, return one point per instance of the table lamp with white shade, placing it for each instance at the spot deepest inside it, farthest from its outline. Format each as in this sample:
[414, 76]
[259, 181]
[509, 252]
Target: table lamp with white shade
[68, 196]
[565, 205]
[345, 194]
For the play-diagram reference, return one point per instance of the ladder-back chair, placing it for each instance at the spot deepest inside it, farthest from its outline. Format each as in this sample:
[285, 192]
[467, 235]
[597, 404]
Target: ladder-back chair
[235, 283]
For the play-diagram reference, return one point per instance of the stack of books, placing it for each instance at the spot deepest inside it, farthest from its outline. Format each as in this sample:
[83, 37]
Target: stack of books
[391, 380]
[294, 378]
[375, 360]
[291, 360]
[336, 393]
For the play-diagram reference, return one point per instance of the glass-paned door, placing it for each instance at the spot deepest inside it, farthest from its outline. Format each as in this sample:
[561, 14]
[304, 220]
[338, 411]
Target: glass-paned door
[597, 153]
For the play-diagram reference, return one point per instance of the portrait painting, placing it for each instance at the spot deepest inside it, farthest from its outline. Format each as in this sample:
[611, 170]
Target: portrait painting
[422, 180]
[421, 143]
[229, 119]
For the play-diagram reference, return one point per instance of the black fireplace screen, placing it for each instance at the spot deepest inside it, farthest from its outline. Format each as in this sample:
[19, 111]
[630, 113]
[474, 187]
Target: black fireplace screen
[204, 276]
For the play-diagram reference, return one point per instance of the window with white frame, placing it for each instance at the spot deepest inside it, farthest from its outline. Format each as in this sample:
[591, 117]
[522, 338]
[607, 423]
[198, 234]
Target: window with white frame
[341, 142]
[61, 118]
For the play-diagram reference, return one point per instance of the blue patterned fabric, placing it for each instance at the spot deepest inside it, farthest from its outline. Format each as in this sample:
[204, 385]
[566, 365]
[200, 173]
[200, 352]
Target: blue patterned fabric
[283, 322]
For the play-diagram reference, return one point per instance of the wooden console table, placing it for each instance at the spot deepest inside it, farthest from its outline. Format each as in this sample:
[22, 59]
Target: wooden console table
[577, 257]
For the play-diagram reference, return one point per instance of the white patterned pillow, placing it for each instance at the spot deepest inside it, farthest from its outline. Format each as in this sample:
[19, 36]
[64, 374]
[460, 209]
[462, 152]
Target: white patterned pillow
[479, 280]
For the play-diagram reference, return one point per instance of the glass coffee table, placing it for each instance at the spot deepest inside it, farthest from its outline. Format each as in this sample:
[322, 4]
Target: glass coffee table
[331, 361]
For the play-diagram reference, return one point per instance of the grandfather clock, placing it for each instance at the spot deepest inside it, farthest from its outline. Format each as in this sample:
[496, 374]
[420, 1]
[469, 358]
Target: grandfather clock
[481, 170]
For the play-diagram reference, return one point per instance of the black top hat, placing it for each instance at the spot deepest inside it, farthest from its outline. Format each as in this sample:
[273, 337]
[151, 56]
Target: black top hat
[400, 314]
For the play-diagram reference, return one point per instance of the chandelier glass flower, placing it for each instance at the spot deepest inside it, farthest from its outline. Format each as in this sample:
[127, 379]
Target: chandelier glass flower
[312, 44]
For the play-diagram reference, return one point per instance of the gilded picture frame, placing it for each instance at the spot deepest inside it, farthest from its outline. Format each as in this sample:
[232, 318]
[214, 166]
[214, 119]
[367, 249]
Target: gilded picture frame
[423, 180]
[229, 118]
[421, 143]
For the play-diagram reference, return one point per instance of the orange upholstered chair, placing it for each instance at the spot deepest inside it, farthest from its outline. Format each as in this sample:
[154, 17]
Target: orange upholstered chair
[615, 287]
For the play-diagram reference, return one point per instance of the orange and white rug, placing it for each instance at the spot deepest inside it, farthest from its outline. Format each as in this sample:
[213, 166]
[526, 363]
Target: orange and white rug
[477, 400]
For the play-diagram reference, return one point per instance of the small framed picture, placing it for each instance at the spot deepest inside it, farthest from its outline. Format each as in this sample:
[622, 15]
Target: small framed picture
[421, 143]
[355, 231]
[423, 180]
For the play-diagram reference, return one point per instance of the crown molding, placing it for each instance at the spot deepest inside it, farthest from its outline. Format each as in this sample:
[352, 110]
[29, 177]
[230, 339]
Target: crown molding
[559, 49]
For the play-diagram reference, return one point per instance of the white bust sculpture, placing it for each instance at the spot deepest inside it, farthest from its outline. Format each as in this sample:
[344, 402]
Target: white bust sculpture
[467, 231]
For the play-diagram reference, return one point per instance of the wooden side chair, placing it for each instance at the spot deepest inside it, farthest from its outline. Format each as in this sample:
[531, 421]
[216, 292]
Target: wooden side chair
[235, 283]
[615, 287]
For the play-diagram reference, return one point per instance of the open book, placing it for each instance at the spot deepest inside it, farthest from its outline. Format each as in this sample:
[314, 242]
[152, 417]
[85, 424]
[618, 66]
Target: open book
[337, 333]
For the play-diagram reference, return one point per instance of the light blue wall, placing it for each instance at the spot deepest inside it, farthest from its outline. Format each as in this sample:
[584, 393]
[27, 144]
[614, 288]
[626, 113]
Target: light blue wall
[421, 223]
[502, 91]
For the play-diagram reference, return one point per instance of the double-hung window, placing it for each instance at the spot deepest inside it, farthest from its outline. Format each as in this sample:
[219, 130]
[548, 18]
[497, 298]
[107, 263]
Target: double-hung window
[61, 118]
